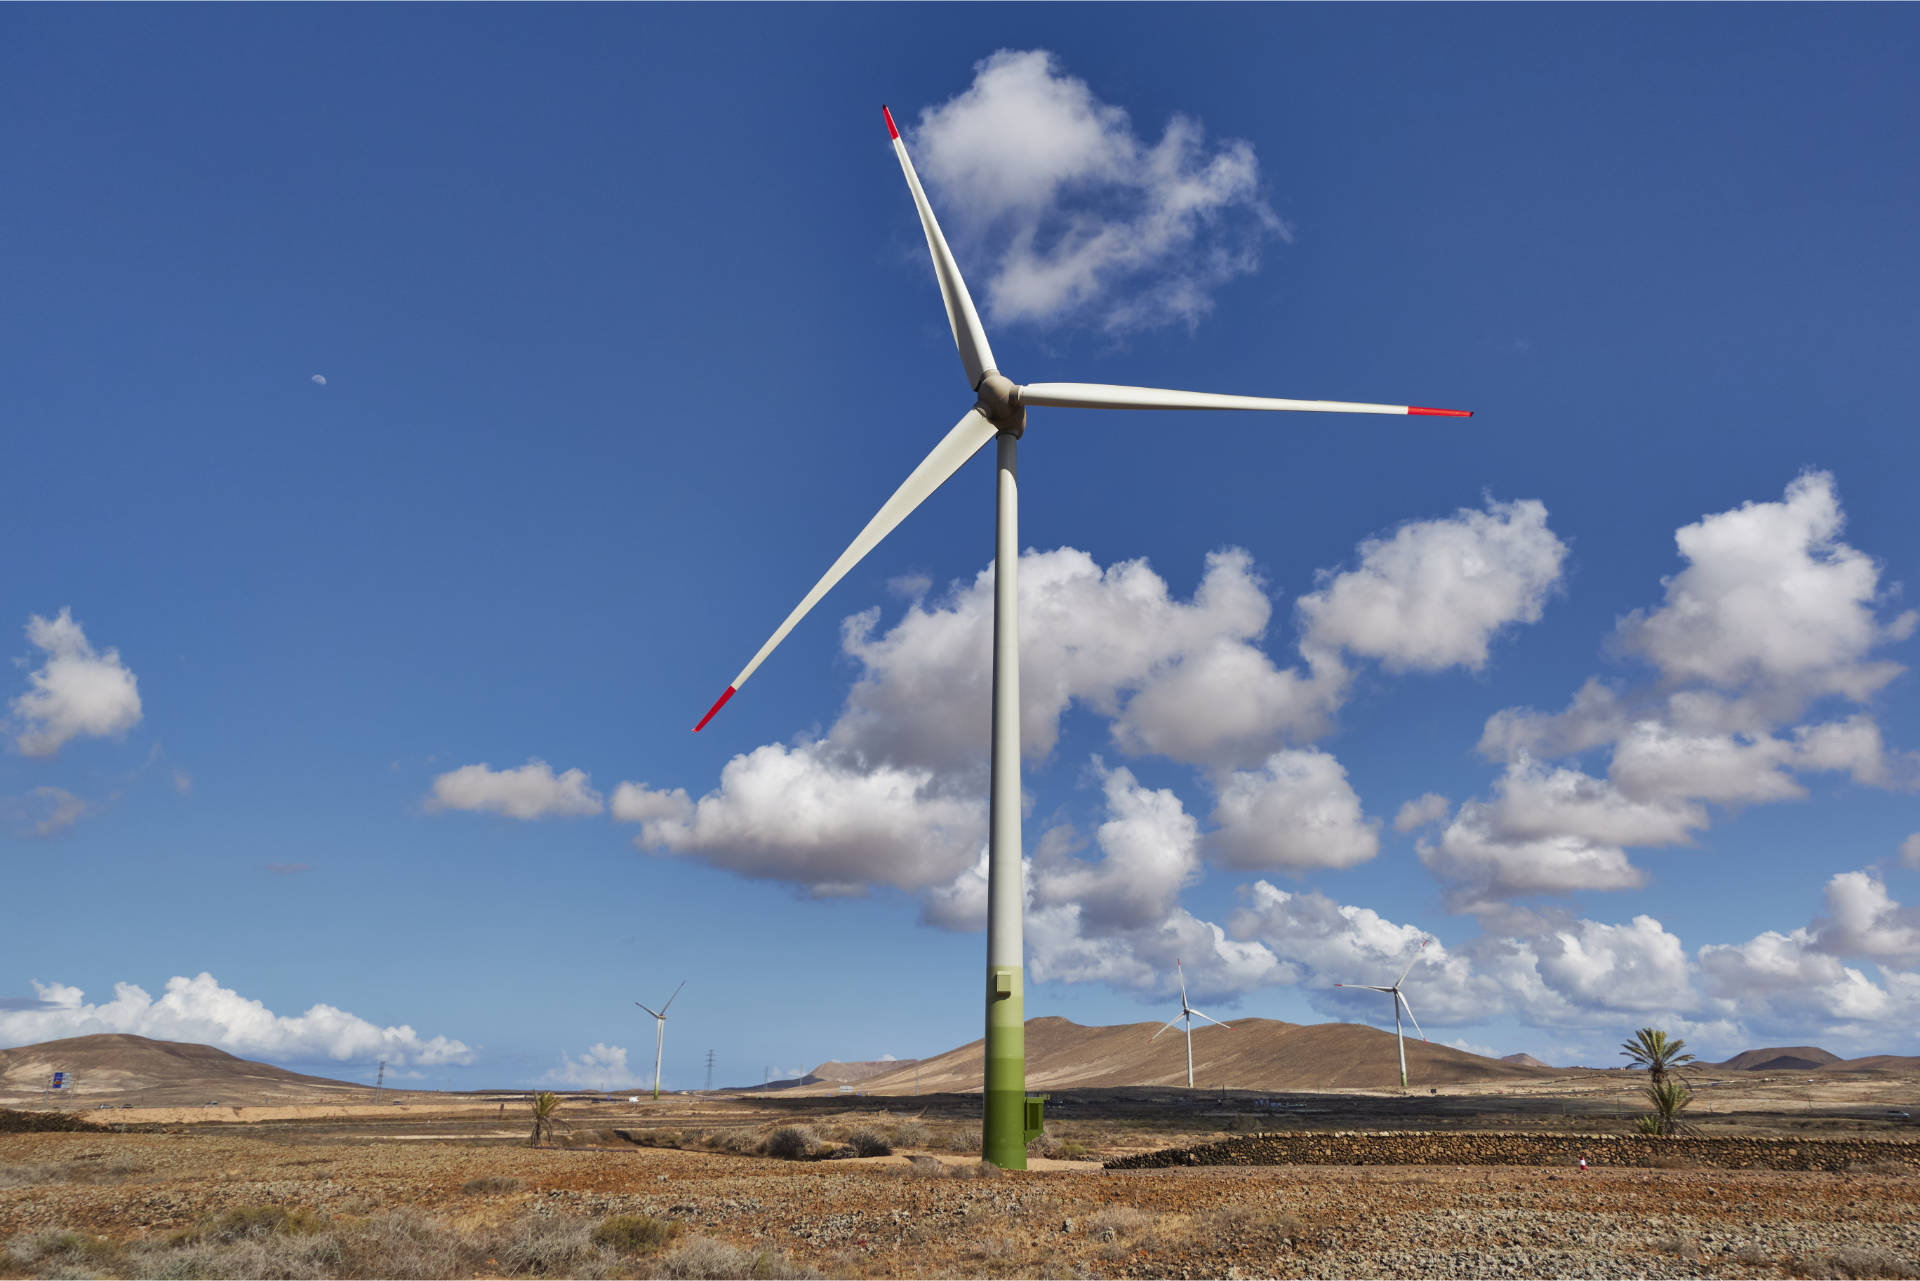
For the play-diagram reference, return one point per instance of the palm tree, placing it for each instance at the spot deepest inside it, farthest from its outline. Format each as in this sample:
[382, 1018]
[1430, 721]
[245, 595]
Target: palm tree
[1651, 1049]
[545, 1104]
[1669, 1099]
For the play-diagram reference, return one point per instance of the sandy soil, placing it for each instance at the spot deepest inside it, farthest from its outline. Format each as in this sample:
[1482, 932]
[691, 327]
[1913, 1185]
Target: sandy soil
[935, 1216]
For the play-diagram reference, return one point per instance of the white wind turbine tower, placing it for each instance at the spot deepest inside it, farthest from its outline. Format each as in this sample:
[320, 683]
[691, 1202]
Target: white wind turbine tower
[1187, 1012]
[660, 1035]
[1399, 1000]
[999, 413]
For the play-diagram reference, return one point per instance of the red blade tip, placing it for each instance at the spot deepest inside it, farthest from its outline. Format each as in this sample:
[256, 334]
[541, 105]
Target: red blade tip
[892, 131]
[717, 705]
[1440, 413]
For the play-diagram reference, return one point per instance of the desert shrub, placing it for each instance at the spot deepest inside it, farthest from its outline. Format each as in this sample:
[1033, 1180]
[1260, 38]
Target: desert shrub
[1751, 1255]
[1120, 1222]
[737, 1142]
[246, 1223]
[61, 1250]
[1681, 1244]
[634, 1233]
[706, 1257]
[492, 1183]
[1854, 1262]
[791, 1142]
[1057, 1148]
[909, 1134]
[869, 1143]
[548, 1247]
[399, 1244]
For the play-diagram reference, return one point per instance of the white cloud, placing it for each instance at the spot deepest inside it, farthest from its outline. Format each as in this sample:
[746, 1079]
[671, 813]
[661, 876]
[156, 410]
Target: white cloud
[1060, 949]
[1087, 635]
[1077, 217]
[528, 792]
[182, 782]
[75, 691]
[1294, 813]
[1434, 593]
[1771, 600]
[1482, 864]
[1639, 966]
[319, 380]
[1863, 920]
[1776, 980]
[602, 1067]
[200, 1010]
[1420, 811]
[1150, 850]
[1595, 717]
[800, 814]
[1910, 850]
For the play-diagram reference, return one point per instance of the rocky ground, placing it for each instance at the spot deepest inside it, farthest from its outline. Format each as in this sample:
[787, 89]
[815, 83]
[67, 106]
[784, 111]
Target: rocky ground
[933, 1216]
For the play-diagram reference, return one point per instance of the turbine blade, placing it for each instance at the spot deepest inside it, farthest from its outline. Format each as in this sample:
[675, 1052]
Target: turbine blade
[1417, 953]
[649, 1011]
[669, 1004]
[1364, 987]
[1104, 396]
[1183, 982]
[960, 444]
[968, 336]
[1171, 1024]
[1209, 1018]
[1402, 997]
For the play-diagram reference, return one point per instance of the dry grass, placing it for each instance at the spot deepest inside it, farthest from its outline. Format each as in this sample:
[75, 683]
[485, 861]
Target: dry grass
[1853, 1262]
[492, 1183]
[107, 1170]
[270, 1241]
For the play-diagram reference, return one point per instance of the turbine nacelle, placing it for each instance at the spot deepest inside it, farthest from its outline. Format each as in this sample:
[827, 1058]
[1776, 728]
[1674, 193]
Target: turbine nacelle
[999, 403]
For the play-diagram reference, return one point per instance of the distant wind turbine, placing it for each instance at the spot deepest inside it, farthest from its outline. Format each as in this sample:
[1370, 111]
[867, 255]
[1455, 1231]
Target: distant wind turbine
[1188, 1013]
[1399, 1000]
[660, 1035]
[1000, 412]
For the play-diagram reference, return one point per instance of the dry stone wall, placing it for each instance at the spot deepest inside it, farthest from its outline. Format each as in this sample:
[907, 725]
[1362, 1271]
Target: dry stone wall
[1402, 1147]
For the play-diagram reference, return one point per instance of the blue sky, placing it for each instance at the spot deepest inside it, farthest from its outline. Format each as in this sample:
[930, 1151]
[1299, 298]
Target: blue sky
[626, 325]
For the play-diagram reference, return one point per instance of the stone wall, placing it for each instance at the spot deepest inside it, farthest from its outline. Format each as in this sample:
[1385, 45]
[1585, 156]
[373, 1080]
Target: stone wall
[1404, 1147]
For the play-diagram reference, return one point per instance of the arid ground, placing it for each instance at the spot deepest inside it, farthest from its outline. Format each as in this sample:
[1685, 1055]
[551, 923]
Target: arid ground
[684, 1187]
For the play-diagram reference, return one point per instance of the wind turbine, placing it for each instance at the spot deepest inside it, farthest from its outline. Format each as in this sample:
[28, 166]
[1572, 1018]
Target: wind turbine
[1000, 413]
[1187, 1012]
[660, 1035]
[1399, 999]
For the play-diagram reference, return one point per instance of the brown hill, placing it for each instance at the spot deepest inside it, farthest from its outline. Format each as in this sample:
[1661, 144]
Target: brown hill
[119, 1068]
[1523, 1060]
[1789, 1058]
[1876, 1063]
[1257, 1054]
[854, 1073]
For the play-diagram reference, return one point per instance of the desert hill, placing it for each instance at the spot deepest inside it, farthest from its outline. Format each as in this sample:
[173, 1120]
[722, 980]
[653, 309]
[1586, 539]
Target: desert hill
[1788, 1058]
[854, 1073]
[1257, 1054]
[1876, 1063]
[121, 1068]
[1523, 1060]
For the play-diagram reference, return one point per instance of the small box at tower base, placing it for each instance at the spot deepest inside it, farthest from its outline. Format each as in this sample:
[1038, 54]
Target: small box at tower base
[1036, 1116]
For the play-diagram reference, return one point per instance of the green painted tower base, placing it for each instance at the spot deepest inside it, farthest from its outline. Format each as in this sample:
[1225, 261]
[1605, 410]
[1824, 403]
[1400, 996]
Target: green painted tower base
[1005, 1136]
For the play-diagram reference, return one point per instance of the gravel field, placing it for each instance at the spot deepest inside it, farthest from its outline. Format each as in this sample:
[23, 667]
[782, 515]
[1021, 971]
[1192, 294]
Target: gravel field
[929, 1217]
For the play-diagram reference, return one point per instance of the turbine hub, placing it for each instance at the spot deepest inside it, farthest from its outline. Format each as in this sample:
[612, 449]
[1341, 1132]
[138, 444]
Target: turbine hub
[1000, 405]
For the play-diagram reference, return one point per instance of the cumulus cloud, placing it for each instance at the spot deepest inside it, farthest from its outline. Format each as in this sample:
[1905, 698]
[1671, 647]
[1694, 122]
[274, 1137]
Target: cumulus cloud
[1295, 812]
[1076, 216]
[528, 792]
[1777, 980]
[76, 690]
[1434, 594]
[602, 1067]
[1149, 850]
[199, 1009]
[1420, 811]
[1771, 614]
[801, 814]
[1772, 600]
[1863, 920]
